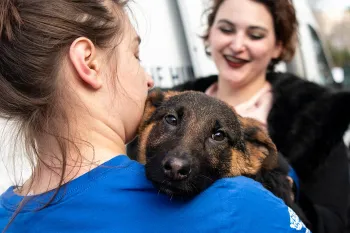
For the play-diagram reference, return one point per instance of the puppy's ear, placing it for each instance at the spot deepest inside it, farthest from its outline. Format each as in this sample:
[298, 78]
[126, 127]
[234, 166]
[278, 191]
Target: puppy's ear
[259, 146]
[155, 99]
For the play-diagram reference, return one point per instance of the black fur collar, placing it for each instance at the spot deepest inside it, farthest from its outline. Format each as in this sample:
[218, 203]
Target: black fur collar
[306, 121]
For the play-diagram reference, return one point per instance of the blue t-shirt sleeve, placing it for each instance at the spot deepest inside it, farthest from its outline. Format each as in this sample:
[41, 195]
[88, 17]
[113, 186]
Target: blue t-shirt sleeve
[249, 207]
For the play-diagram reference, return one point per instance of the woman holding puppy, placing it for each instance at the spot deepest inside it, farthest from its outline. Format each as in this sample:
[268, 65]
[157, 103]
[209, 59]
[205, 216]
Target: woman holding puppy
[71, 78]
[246, 39]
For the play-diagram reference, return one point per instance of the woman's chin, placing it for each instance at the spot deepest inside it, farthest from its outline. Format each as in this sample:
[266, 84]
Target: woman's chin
[233, 78]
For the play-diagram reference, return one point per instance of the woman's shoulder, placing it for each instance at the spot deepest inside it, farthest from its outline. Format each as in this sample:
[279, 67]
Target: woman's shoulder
[244, 189]
[248, 203]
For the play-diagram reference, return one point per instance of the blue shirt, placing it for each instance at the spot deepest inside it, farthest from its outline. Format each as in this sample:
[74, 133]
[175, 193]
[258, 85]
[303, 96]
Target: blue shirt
[116, 197]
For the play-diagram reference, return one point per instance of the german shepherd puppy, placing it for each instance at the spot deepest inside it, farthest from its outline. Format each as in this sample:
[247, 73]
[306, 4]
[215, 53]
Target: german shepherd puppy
[188, 140]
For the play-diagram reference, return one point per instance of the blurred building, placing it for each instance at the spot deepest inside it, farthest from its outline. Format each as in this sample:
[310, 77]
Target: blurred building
[334, 20]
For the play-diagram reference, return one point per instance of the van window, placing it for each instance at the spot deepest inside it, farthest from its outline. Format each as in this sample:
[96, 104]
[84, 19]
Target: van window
[323, 69]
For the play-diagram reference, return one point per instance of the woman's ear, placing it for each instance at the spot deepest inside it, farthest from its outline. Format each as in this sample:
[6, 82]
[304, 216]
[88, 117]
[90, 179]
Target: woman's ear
[277, 50]
[207, 47]
[82, 54]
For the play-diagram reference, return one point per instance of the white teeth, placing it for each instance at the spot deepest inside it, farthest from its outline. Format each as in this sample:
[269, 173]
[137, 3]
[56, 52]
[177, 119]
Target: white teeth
[235, 60]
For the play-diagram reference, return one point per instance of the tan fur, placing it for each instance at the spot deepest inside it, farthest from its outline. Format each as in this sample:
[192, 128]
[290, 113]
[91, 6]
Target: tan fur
[169, 94]
[257, 156]
[264, 155]
[237, 163]
[143, 141]
[243, 165]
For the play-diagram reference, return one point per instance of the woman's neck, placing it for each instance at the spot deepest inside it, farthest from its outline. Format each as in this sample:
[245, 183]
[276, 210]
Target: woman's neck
[235, 95]
[98, 144]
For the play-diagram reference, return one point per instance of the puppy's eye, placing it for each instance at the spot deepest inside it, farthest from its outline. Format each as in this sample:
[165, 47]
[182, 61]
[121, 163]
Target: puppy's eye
[171, 119]
[218, 136]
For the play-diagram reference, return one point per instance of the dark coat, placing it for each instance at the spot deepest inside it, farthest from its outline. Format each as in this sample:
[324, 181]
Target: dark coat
[307, 123]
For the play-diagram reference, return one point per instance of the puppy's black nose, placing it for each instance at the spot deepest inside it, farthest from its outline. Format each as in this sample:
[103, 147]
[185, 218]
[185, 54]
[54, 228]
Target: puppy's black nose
[176, 168]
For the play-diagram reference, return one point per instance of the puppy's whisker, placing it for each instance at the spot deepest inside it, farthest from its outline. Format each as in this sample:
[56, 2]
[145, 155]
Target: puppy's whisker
[194, 186]
[206, 177]
[187, 188]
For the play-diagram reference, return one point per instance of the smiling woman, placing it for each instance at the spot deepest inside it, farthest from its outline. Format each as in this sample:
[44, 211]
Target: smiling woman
[244, 40]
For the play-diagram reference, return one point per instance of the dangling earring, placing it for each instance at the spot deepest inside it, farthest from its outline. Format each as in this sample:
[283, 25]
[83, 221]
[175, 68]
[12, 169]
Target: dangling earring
[207, 49]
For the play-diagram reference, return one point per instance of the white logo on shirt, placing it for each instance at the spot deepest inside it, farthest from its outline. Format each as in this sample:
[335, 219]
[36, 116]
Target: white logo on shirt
[295, 222]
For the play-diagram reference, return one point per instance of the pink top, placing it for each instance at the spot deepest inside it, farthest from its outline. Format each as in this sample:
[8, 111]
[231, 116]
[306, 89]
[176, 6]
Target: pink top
[257, 107]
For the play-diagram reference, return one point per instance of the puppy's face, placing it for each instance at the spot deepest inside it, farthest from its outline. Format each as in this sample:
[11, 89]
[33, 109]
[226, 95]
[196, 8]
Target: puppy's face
[189, 140]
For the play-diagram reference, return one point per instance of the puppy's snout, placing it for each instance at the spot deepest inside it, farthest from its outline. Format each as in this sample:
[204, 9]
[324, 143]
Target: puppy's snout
[177, 168]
